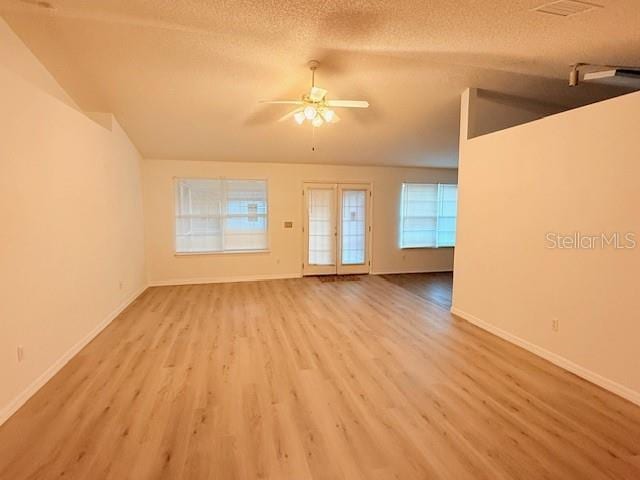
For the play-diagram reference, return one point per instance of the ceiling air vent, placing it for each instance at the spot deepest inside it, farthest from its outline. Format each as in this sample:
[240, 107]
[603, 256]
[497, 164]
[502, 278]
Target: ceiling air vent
[566, 8]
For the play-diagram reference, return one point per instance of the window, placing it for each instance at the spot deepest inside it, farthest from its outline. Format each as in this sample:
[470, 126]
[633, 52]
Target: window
[220, 215]
[428, 215]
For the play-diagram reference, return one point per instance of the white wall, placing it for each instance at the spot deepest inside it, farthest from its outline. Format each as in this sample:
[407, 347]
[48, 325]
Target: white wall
[285, 203]
[72, 234]
[576, 171]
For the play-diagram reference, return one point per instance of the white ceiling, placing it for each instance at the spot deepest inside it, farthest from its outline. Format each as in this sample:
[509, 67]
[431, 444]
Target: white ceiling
[184, 77]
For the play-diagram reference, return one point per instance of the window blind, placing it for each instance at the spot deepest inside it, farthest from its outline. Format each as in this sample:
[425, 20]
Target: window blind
[428, 215]
[219, 215]
[447, 213]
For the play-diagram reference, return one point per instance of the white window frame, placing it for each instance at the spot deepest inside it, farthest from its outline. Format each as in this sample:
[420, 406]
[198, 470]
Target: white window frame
[267, 249]
[437, 215]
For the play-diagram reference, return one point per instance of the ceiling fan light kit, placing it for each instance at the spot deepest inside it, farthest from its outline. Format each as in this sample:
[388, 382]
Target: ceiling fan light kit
[314, 106]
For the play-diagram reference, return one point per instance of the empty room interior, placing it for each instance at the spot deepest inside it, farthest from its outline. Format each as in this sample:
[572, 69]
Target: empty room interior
[320, 240]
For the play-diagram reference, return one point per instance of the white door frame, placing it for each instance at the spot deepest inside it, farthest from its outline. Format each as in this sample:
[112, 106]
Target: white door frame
[337, 267]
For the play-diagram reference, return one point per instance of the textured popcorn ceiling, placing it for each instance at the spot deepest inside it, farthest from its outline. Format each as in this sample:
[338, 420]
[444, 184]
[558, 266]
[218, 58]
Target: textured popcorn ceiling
[184, 77]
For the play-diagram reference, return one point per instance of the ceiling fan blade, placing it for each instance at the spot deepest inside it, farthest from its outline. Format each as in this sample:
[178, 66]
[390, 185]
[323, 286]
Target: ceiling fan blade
[335, 118]
[316, 94]
[290, 114]
[347, 103]
[287, 102]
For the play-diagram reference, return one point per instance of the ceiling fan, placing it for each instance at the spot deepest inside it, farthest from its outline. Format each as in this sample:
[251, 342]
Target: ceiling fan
[314, 105]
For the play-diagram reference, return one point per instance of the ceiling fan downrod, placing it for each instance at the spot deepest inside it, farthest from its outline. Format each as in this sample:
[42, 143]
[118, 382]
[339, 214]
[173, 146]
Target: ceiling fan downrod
[313, 66]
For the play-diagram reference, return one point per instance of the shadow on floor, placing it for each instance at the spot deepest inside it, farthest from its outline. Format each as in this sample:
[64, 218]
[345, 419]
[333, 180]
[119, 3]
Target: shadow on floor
[434, 287]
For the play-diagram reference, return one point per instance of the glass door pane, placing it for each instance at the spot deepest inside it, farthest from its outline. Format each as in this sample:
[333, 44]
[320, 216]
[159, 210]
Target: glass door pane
[322, 242]
[353, 228]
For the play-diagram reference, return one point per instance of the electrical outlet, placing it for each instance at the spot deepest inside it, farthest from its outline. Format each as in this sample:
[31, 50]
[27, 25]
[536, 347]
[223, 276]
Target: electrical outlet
[555, 324]
[20, 352]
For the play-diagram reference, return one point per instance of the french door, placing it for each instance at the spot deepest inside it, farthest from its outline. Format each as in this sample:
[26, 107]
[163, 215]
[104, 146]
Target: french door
[336, 228]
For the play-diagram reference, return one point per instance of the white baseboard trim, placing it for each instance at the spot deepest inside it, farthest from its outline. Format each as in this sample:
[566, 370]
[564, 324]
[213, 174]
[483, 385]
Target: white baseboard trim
[420, 270]
[13, 406]
[554, 358]
[231, 279]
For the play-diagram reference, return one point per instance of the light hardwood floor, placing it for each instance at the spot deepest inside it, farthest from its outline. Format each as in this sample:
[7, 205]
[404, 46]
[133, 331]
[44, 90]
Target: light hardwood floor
[299, 379]
[434, 287]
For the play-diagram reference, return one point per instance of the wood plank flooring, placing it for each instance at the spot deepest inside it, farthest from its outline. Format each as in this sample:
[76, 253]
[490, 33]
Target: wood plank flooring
[299, 379]
[434, 287]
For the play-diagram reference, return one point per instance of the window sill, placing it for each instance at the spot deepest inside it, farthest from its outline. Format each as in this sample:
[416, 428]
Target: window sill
[227, 252]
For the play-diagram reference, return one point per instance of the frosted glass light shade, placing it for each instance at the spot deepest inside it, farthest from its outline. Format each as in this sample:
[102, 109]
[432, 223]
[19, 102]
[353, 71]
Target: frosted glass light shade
[310, 112]
[299, 117]
[328, 115]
